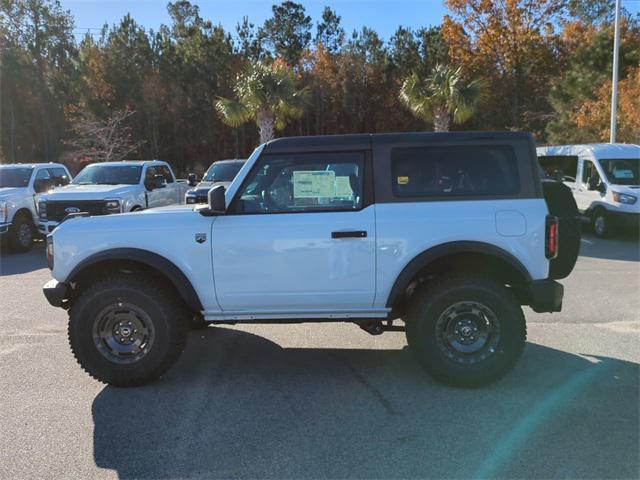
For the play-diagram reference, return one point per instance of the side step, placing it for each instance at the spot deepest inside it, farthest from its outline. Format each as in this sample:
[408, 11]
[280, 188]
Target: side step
[377, 327]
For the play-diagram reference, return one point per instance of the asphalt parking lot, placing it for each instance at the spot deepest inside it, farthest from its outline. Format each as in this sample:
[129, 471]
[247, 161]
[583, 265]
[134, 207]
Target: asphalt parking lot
[330, 401]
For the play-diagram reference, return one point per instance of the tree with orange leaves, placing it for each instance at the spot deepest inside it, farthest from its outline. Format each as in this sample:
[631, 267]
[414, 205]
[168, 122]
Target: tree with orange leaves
[513, 43]
[594, 115]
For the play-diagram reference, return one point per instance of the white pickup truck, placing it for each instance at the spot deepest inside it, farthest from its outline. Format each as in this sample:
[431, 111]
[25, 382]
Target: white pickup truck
[20, 183]
[112, 187]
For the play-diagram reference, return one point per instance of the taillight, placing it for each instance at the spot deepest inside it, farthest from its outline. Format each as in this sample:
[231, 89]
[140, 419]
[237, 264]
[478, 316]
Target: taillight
[552, 237]
[50, 251]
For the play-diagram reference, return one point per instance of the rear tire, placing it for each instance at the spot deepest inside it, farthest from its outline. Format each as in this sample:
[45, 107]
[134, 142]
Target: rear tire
[21, 234]
[468, 331]
[127, 330]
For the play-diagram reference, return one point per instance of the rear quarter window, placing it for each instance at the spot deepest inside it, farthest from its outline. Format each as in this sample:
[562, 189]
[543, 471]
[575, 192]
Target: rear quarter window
[453, 171]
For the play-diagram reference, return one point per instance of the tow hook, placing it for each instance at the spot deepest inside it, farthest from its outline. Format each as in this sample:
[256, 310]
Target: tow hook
[376, 327]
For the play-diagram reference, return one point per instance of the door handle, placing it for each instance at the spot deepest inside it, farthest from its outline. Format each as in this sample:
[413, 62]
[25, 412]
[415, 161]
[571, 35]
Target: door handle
[350, 234]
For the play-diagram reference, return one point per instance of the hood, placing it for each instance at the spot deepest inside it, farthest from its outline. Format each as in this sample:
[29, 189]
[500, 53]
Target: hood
[11, 191]
[87, 192]
[630, 189]
[210, 185]
[166, 209]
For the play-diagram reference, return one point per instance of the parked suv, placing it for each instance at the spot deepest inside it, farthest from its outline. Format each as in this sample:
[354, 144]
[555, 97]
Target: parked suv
[20, 183]
[447, 233]
[112, 187]
[604, 179]
[221, 172]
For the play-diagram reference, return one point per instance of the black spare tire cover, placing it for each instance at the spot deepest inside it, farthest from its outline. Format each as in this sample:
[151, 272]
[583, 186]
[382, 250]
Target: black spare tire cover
[561, 204]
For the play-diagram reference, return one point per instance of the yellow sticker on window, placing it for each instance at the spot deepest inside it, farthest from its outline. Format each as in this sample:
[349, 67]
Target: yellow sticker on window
[403, 180]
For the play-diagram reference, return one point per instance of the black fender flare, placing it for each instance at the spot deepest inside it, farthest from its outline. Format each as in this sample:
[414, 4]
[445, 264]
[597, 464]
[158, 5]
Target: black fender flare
[433, 254]
[150, 259]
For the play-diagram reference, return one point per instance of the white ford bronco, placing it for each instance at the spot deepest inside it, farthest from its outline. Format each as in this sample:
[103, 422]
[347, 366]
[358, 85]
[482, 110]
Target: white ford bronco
[444, 235]
[112, 187]
[20, 184]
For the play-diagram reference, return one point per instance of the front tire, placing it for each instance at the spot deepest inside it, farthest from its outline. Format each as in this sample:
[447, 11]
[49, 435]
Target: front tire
[21, 234]
[127, 330]
[601, 223]
[467, 331]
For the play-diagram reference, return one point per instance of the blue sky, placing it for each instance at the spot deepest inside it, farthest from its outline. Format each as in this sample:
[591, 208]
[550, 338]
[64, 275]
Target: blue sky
[384, 16]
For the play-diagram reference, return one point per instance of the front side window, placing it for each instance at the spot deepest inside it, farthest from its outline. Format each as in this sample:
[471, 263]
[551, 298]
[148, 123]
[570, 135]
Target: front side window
[59, 177]
[295, 183]
[97, 174]
[15, 177]
[454, 171]
[589, 171]
[165, 172]
[42, 181]
[621, 171]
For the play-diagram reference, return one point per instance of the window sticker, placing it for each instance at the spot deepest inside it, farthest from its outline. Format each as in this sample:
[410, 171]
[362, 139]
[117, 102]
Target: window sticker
[622, 173]
[343, 187]
[314, 183]
[403, 180]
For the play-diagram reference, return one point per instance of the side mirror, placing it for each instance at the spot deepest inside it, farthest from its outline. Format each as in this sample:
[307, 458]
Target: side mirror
[217, 203]
[192, 179]
[592, 183]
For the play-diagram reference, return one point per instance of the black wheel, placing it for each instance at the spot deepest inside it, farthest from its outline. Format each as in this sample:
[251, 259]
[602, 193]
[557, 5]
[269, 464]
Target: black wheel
[466, 331]
[601, 223]
[126, 330]
[21, 234]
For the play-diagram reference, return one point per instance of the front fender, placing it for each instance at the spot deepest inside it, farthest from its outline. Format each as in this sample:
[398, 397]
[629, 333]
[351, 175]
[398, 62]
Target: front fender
[157, 262]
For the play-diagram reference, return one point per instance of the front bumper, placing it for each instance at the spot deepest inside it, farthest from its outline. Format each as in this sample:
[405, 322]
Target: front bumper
[624, 219]
[57, 293]
[46, 227]
[545, 295]
[4, 229]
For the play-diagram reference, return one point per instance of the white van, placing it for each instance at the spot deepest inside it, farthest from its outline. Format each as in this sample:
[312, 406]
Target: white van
[604, 180]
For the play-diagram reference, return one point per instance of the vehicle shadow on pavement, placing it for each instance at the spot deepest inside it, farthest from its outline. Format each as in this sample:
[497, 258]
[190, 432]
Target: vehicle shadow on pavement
[238, 405]
[16, 263]
[623, 247]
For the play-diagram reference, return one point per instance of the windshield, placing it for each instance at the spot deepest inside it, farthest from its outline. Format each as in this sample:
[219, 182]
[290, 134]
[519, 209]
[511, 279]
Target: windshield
[15, 177]
[621, 171]
[222, 172]
[109, 175]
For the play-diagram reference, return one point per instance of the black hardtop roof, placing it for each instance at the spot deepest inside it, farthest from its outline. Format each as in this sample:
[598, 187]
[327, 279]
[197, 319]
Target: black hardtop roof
[231, 160]
[366, 140]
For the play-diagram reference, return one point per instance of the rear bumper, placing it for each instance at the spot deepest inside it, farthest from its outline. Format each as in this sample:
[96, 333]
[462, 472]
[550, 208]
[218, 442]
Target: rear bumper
[545, 295]
[56, 292]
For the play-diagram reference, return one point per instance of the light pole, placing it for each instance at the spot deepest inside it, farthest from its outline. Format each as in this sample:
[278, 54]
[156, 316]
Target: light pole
[614, 80]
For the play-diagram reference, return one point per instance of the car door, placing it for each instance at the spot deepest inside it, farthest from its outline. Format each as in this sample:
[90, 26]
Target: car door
[155, 197]
[298, 237]
[585, 197]
[170, 191]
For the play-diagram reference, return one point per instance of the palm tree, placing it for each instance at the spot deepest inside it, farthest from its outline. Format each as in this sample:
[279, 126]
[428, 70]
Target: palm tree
[441, 95]
[266, 94]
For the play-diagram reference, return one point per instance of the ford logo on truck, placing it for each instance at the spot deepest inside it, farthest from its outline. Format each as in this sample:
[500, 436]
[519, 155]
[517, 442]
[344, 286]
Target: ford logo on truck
[71, 210]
